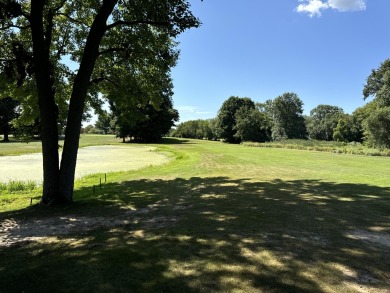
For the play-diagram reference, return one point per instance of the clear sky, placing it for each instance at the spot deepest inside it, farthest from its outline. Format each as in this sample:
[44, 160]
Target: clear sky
[323, 50]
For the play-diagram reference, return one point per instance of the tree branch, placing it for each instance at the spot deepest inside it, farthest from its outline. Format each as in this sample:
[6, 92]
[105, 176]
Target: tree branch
[60, 50]
[111, 50]
[130, 23]
[71, 19]
[100, 79]
[15, 26]
[59, 6]
[7, 60]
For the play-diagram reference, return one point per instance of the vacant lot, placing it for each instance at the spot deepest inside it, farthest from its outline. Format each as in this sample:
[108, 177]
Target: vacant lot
[217, 217]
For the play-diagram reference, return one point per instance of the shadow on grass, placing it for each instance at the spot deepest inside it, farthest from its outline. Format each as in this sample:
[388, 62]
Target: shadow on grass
[164, 140]
[213, 234]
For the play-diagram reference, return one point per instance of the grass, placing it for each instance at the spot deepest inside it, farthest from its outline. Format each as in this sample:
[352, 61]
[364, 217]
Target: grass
[17, 186]
[217, 218]
[323, 146]
[15, 147]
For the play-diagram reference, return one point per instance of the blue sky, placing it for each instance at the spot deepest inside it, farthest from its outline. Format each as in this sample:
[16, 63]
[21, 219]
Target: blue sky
[323, 50]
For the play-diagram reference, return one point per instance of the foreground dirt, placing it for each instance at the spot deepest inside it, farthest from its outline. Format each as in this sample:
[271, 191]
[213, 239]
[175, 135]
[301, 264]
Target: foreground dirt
[16, 232]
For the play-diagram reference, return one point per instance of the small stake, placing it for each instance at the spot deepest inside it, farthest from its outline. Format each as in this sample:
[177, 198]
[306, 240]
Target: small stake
[105, 177]
[30, 201]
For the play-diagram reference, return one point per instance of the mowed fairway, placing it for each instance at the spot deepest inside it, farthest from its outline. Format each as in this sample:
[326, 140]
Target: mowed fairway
[216, 218]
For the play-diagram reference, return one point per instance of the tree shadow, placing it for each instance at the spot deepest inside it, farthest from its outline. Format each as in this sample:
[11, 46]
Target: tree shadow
[214, 234]
[164, 141]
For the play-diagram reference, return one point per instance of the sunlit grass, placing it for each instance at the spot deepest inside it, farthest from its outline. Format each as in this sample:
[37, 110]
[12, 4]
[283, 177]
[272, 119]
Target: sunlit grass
[15, 147]
[351, 148]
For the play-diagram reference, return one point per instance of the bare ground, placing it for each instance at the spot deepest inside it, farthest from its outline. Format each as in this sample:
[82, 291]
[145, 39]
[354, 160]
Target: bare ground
[15, 232]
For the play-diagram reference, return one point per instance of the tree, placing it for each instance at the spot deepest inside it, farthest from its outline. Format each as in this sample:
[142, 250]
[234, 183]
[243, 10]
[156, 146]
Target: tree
[288, 121]
[378, 84]
[8, 112]
[348, 129]
[103, 122]
[377, 127]
[226, 118]
[149, 123]
[377, 123]
[102, 37]
[323, 119]
[252, 125]
[198, 129]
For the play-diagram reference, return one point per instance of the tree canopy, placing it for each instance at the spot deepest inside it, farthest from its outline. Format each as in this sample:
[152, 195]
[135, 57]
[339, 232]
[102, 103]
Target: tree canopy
[378, 84]
[323, 119]
[252, 124]
[145, 122]
[199, 129]
[377, 122]
[288, 121]
[226, 118]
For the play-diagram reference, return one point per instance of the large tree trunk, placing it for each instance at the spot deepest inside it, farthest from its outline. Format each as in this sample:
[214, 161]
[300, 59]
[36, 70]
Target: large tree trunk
[6, 138]
[77, 101]
[47, 107]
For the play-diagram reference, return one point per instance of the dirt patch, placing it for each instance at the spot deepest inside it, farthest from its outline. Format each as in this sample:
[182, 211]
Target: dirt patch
[13, 232]
[381, 238]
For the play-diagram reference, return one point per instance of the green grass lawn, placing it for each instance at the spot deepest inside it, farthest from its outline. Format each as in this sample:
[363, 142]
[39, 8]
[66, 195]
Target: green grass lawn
[217, 218]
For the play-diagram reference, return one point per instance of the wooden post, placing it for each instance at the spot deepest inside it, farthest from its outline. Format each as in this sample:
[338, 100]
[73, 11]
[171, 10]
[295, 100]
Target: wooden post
[105, 177]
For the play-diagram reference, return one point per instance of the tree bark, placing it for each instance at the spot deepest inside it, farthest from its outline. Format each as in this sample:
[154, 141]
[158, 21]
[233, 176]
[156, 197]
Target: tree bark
[5, 138]
[77, 101]
[47, 107]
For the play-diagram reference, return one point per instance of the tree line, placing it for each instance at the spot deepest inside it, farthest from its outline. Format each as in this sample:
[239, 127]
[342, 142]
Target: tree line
[241, 119]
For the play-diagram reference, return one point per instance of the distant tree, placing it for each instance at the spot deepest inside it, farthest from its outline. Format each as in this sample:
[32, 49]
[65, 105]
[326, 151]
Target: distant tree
[187, 129]
[377, 128]
[198, 129]
[288, 121]
[378, 84]
[323, 119]
[156, 122]
[226, 118]
[252, 125]
[376, 125]
[348, 130]
[146, 122]
[340, 133]
[103, 122]
[8, 112]
[89, 129]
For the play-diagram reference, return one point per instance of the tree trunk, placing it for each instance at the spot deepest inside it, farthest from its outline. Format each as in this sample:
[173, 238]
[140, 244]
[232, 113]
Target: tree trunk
[77, 101]
[47, 108]
[6, 138]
